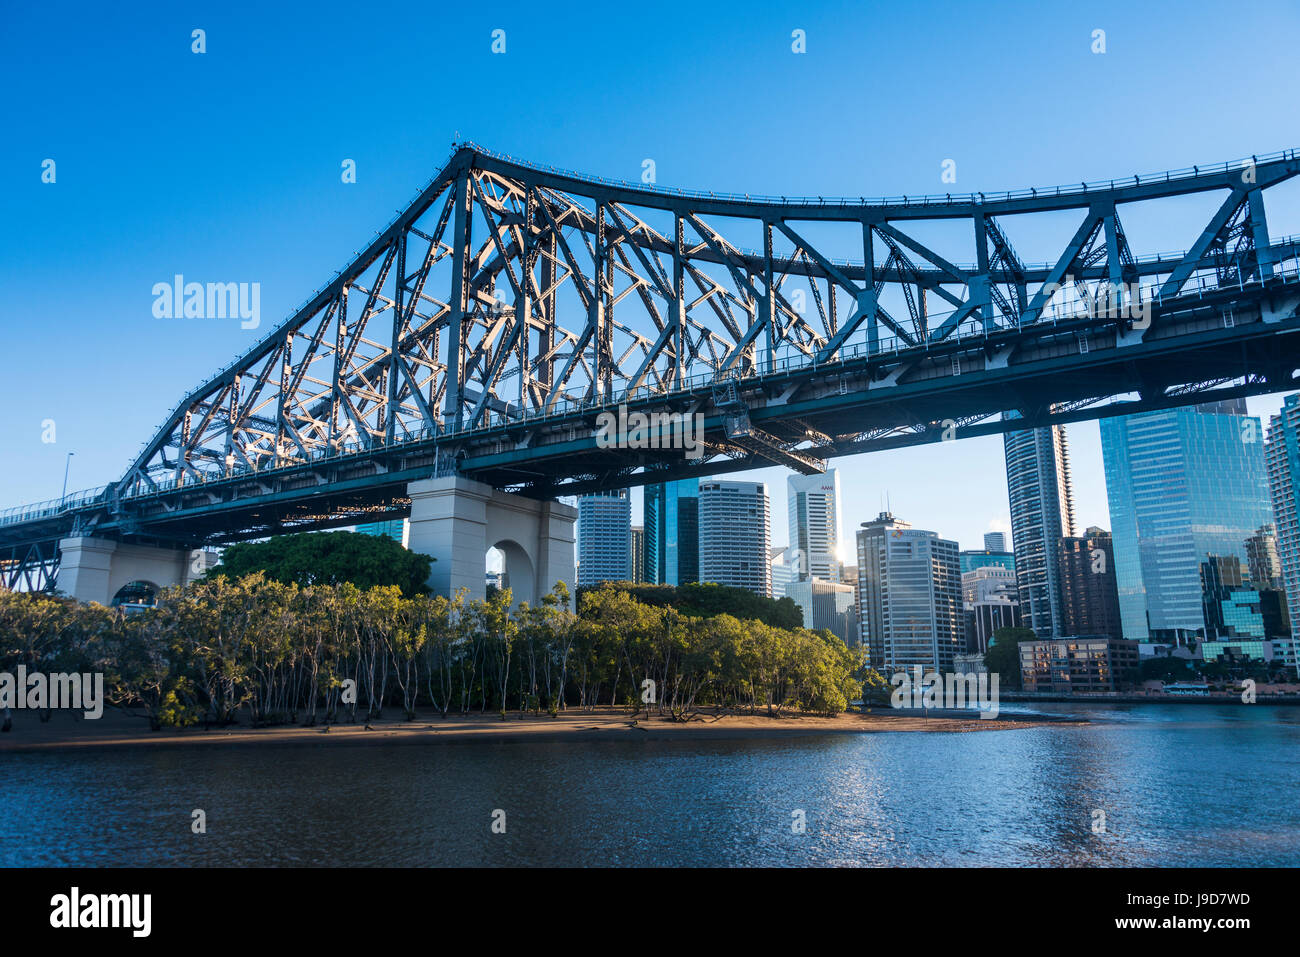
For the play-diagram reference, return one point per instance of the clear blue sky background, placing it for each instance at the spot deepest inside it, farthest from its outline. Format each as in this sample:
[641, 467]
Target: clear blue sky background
[225, 166]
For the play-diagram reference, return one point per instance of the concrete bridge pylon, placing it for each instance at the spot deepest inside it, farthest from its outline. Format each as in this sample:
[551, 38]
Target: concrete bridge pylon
[456, 520]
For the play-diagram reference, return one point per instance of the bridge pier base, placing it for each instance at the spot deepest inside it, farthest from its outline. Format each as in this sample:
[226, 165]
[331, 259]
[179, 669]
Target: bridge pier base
[95, 569]
[456, 520]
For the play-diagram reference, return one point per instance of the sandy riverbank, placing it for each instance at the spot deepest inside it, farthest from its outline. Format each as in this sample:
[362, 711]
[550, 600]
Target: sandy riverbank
[116, 729]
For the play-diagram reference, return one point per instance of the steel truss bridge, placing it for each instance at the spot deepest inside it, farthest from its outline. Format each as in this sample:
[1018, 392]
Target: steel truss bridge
[485, 328]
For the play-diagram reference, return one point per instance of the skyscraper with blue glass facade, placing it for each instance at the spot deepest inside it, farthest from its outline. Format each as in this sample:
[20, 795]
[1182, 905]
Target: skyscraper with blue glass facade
[395, 528]
[672, 532]
[1282, 455]
[974, 559]
[1184, 485]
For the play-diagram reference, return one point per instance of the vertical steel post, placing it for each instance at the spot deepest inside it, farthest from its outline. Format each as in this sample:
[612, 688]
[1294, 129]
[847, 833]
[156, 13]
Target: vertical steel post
[462, 229]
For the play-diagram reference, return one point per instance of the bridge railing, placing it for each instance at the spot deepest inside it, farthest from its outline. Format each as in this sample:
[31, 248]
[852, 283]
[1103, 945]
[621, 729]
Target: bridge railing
[1169, 256]
[51, 507]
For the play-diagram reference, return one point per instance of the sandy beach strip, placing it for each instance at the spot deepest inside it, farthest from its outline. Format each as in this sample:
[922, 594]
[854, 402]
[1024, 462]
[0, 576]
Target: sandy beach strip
[119, 730]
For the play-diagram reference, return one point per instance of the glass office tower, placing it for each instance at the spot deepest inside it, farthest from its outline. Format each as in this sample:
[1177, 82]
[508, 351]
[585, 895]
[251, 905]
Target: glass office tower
[672, 532]
[1282, 456]
[1183, 484]
[909, 596]
[396, 529]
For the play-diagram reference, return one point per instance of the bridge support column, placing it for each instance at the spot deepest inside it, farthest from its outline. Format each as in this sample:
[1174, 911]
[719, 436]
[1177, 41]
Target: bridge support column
[457, 520]
[95, 569]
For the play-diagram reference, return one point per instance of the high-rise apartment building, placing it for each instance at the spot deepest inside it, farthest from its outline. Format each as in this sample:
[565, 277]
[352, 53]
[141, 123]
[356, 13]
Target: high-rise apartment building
[672, 533]
[813, 502]
[909, 597]
[1184, 485]
[1089, 596]
[1042, 512]
[735, 535]
[604, 537]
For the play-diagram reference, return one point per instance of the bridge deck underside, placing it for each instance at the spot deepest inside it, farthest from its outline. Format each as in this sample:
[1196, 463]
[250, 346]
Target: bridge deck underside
[850, 407]
[1055, 388]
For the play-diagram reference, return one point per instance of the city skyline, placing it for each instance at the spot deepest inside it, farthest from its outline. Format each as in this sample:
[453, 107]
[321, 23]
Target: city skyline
[1169, 472]
[931, 483]
[957, 488]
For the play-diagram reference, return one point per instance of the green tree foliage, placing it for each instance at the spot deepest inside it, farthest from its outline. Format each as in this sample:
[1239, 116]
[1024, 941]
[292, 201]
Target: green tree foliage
[1166, 668]
[1227, 670]
[1003, 658]
[876, 689]
[366, 561]
[706, 600]
[274, 652]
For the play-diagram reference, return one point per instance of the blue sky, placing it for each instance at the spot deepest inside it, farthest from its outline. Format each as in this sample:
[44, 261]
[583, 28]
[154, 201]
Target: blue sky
[226, 165]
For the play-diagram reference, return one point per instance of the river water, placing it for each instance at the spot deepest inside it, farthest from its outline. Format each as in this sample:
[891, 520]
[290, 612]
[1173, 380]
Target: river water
[1178, 785]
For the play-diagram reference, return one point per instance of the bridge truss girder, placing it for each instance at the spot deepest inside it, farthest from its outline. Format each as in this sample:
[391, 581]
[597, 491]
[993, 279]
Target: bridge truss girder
[494, 318]
[507, 291]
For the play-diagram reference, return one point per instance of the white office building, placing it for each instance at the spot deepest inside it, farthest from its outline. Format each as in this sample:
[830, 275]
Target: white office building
[605, 537]
[988, 582]
[814, 509]
[735, 535]
[781, 570]
[827, 605]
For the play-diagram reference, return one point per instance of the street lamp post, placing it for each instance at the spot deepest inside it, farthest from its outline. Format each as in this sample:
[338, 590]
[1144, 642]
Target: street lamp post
[67, 462]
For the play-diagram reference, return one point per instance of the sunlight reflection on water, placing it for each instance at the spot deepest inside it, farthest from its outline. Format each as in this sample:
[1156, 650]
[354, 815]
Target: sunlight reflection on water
[1203, 785]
